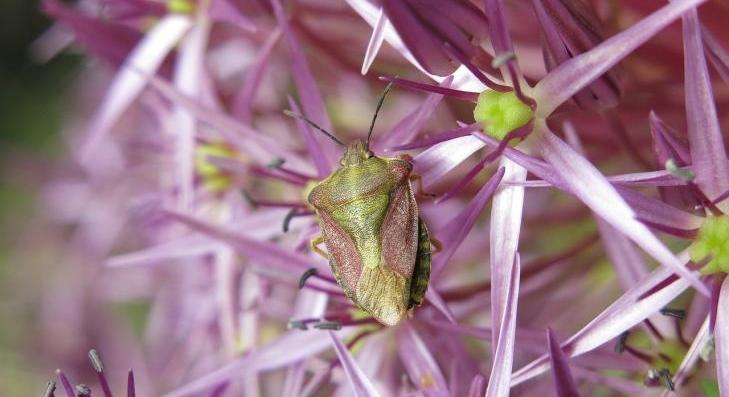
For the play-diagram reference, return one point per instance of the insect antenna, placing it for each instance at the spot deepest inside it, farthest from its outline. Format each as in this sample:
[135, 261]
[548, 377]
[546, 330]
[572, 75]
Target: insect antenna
[377, 110]
[313, 124]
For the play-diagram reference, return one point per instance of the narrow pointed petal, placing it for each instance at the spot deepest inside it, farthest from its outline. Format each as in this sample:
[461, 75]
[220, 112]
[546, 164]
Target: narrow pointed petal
[369, 12]
[146, 57]
[657, 212]
[478, 386]
[574, 75]
[439, 304]
[625, 258]
[721, 333]
[453, 234]
[506, 213]
[183, 248]
[224, 10]
[309, 94]
[591, 187]
[435, 162]
[262, 148]
[316, 151]
[376, 40]
[718, 56]
[419, 363]
[626, 312]
[691, 358]
[708, 153]
[501, 40]
[563, 380]
[188, 77]
[361, 385]
[292, 347]
[243, 102]
[270, 253]
[411, 124]
[500, 379]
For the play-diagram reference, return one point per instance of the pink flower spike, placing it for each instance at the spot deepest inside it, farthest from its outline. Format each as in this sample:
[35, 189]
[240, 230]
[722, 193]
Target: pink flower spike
[65, 383]
[500, 378]
[243, 102]
[308, 90]
[478, 386]
[410, 125]
[574, 75]
[563, 380]
[376, 40]
[419, 363]
[501, 40]
[316, 152]
[456, 230]
[506, 214]
[361, 385]
[721, 335]
[289, 348]
[435, 162]
[718, 56]
[439, 304]
[264, 251]
[708, 154]
[224, 10]
[591, 187]
[626, 312]
[146, 57]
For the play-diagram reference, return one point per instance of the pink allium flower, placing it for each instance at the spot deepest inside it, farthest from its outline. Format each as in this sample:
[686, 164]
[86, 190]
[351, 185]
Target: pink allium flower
[601, 260]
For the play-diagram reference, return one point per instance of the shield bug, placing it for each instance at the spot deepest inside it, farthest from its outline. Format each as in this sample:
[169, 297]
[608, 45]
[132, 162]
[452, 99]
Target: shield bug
[377, 246]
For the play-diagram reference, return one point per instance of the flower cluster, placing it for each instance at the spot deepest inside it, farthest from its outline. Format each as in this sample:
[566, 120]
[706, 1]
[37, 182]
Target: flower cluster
[568, 159]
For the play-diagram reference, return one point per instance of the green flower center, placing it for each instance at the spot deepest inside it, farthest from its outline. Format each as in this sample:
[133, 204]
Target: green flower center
[501, 112]
[713, 240]
[181, 6]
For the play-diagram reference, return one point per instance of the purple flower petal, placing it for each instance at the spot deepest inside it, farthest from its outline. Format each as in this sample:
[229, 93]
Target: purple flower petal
[308, 90]
[506, 213]
[501, 40]
[586, 182]
[708, 154]
[411, 124]
[721, 336]
[263, 251]
[291, 347]
[178, 249]
[376, 40]
[316, 151]
[146, 57]
[478, 386]
[419, 362]
[628, 263]
[435, 162]
[626, 312]
[500, 379]
[453, 233]
[718, 56]
[224, 10]
[439, 304]
[262, 148]
[561, 373]
[243, 102]
[574, 75]
[361, 385]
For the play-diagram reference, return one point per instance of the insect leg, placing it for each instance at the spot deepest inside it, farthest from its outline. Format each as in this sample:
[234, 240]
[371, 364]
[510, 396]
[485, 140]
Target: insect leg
[420, 191]
[314, 245]
[436, 244]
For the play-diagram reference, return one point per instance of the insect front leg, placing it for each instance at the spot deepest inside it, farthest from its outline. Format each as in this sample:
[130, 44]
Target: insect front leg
[314, 246]
[419, 190]
[436, 244]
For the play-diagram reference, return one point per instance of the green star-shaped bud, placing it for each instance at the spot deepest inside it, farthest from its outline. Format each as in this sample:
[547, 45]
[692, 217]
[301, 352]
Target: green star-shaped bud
[501, 112]
[713, 240]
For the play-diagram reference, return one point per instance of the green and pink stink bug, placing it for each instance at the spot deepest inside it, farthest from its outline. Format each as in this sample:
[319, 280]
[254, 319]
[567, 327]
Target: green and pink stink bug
[377, 246]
